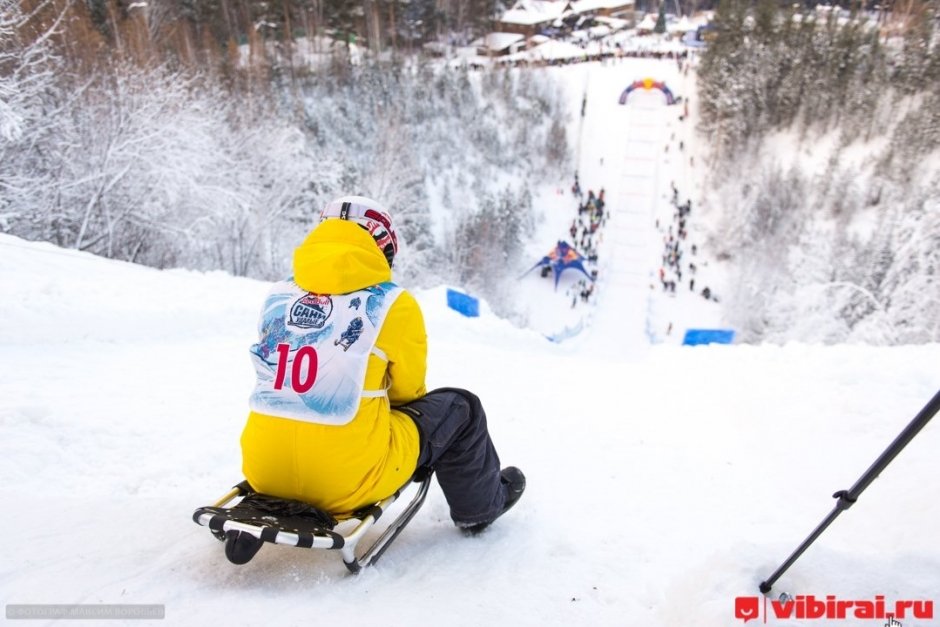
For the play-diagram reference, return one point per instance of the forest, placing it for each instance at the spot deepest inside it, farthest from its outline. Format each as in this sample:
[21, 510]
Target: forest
[824, 134]
[168, 143]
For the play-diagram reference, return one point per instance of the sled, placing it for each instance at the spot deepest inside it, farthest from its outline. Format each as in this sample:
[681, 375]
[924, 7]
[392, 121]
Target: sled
[258, 518]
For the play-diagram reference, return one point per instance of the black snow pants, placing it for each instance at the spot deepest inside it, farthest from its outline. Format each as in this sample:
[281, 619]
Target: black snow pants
[456, 444]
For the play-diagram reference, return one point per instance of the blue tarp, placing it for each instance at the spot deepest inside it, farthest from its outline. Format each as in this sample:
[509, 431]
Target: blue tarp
[463, 303]
[694, 337]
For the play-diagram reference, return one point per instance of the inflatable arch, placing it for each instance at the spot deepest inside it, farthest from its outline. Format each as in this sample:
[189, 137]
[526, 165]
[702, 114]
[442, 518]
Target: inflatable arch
[648, 84]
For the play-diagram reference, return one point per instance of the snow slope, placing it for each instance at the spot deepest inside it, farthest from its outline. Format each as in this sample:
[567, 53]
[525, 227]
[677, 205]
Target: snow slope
[664, 481]
[660, 487]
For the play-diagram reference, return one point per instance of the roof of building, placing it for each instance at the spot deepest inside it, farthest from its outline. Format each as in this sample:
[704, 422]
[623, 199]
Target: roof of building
[534, 12]
[531, 12]
[500, 41]
[581, 6]
[556, 50]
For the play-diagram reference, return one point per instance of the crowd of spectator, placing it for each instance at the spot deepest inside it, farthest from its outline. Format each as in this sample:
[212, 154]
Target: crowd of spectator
[675, 263]
[586, 235]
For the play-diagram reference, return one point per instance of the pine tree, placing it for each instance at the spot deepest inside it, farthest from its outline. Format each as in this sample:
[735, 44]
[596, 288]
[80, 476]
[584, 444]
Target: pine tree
[661, 19]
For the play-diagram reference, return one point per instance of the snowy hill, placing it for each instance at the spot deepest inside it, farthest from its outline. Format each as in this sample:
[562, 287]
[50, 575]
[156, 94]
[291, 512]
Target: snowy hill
[662, 484]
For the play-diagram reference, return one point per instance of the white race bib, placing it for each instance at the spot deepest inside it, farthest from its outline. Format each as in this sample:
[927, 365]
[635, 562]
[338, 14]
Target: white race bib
[314, 349]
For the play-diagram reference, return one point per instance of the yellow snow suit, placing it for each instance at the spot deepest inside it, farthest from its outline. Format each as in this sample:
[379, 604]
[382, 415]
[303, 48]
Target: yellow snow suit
[342, 468]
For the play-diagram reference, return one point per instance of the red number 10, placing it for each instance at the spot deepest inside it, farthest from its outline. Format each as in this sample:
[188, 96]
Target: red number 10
[300, 381]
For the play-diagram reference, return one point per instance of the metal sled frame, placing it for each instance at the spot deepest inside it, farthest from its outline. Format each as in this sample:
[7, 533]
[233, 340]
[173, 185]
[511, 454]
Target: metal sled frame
[321, 538]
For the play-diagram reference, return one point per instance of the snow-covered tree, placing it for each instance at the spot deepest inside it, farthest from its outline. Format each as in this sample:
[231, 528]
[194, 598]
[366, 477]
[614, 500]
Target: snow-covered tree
[30, 100]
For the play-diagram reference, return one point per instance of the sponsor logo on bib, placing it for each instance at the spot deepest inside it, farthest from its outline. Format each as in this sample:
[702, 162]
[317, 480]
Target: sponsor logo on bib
[311, 311]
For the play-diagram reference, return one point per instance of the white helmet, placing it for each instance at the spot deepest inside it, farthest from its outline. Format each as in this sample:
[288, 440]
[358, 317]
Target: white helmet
[371, 216]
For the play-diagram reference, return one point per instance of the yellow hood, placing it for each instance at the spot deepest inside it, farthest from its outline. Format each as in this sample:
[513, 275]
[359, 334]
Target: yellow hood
[339, 257]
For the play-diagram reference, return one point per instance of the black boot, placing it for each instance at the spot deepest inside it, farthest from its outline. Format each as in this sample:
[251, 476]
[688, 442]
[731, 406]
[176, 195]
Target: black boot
[241, 546]
[514, 482]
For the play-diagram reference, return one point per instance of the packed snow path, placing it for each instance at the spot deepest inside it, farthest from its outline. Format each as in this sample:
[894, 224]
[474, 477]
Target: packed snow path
[635, 135]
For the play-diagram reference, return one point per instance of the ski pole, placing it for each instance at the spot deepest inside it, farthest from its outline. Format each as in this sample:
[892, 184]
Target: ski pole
[847, 498]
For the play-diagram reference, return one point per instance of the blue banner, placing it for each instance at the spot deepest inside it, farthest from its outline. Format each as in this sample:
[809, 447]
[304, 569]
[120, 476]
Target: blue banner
[463, 303]
[694, 337]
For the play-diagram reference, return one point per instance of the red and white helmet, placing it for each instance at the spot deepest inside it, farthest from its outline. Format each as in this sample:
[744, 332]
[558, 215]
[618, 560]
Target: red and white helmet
[371, 216]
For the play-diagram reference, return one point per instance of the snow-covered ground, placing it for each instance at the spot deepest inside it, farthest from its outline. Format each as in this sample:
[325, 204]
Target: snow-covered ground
[663, 481]
[662, 484]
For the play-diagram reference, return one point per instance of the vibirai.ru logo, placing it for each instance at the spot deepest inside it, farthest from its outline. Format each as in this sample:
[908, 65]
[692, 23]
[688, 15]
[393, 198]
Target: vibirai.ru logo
[810, 607]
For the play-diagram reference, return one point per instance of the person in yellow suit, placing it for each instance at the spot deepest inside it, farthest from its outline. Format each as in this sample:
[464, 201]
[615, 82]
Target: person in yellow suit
[340, 415]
